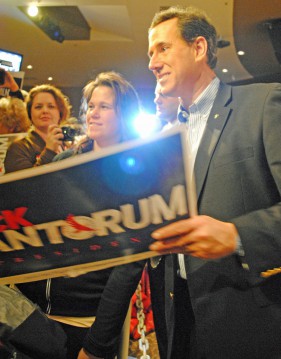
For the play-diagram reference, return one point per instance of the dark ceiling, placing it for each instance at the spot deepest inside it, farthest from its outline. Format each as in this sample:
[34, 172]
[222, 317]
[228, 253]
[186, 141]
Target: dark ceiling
[101, 35]
[258, 30]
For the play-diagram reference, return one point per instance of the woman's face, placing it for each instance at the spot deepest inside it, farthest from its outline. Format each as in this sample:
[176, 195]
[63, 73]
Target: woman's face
[44, 111]
[102, 120]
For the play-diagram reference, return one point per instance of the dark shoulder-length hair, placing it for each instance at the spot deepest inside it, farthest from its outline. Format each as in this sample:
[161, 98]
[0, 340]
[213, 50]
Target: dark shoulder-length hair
[127, 103]
[61, 100]
[192, 22]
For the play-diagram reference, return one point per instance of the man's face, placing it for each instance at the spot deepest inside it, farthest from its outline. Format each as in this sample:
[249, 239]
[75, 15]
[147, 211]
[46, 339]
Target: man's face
[166, 107]
[172, 59]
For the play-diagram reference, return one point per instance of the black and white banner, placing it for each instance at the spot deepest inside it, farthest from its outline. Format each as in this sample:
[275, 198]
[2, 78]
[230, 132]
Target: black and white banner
[91, 211]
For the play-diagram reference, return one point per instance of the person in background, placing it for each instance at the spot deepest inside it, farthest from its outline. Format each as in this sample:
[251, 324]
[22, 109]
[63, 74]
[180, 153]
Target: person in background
[14, 124]
[26, 332]
[112, 104]
[13, 116]
[222, 286]
[47, 108]
[166, 111]
[10, 83]
[166, 108]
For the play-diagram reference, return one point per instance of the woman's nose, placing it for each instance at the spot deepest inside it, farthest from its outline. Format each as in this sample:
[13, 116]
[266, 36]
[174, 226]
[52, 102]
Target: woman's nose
[157, 100]
[94, 112]
[45, 109]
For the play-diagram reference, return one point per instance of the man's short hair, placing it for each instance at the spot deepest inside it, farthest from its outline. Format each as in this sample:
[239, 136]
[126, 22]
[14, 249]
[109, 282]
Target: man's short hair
[192, 22]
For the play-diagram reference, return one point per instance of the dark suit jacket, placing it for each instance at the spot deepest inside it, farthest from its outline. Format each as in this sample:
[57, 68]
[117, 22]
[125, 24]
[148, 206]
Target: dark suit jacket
[236, 300]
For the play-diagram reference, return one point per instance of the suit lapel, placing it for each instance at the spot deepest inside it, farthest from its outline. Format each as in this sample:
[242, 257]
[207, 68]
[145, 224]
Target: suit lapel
[219, 115]
[215, 124]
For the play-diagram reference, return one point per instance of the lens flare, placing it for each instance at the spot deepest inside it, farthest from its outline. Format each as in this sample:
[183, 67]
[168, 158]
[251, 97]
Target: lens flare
[146, 124]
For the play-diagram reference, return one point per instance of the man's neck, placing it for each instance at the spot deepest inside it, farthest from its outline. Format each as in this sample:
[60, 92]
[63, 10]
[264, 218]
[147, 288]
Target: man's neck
[202, 83]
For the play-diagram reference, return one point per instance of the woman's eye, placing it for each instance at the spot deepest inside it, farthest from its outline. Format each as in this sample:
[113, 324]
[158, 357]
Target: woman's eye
[106, 107]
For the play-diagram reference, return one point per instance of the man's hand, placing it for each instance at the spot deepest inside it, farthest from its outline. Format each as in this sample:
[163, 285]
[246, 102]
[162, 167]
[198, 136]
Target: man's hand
[84, 355]
[200, 236]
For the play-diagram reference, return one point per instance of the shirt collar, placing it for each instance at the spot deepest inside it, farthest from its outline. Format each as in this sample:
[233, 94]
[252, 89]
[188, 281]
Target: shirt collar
[203, 102]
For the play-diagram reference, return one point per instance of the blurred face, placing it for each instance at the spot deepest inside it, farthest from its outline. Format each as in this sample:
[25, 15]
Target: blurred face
[166, 107]
[102, 120]
[44, 111]
[172, 59]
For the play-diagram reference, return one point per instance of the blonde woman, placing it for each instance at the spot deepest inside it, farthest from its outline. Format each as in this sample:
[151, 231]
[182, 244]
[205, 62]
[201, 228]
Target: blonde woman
[13, 116]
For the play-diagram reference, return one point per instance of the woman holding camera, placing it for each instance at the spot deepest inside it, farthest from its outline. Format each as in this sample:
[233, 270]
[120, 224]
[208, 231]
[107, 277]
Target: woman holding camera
[47, 108]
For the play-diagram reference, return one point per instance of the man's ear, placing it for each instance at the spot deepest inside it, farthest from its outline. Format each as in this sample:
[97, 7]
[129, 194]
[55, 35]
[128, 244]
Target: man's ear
[201, 48]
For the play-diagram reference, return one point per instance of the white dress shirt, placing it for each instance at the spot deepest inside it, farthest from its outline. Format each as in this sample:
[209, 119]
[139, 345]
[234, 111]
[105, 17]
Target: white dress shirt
[195, 119]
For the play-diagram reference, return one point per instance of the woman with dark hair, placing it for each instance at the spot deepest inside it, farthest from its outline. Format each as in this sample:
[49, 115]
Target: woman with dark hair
[47, 108]
[112, 104]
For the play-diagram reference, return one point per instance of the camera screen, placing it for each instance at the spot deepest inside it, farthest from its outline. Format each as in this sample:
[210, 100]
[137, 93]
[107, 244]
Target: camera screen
[8, 58]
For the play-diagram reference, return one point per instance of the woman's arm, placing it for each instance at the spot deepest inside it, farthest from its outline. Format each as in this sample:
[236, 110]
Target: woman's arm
[103, 337]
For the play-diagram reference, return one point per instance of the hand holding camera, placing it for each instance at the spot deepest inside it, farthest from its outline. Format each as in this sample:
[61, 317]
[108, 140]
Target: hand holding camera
[54, 138]
[69, 133]
[7, 81]
[57, 135]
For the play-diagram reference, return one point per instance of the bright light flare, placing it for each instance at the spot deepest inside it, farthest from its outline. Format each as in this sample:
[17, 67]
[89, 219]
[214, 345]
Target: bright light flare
[32, 10]
[146, 124]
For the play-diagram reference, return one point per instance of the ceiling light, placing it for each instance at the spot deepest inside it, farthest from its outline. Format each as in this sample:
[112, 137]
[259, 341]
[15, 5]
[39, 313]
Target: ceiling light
[32, 10]
[29, 67]
[224, 70]
[50, 78]
[240, 53]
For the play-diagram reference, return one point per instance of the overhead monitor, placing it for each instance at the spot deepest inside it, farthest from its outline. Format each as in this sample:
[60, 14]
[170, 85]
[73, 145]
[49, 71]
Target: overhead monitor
[10, 61]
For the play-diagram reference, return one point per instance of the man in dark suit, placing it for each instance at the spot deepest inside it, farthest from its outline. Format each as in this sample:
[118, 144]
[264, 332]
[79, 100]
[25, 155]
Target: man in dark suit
[223, 284]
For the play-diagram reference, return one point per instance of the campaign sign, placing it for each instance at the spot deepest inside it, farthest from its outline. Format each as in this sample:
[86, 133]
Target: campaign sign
[90, 211]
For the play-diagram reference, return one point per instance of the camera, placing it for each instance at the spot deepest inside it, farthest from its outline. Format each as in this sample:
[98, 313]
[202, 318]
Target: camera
[69, 133]
[2, 76]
